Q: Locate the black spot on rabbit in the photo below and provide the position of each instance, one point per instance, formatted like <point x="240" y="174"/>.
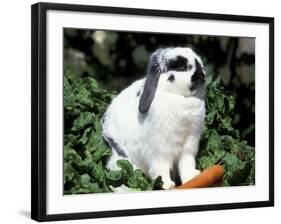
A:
<point x="198" y="78"/>
<point x="114" y="145"/>
<point x="103" y="118"/>
<point x="178" y="64"/>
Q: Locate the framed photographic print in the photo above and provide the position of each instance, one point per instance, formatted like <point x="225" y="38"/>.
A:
<point x="138" y="111"/>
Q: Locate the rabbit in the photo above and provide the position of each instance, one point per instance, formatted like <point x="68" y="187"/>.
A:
<point x="157" y="121"/>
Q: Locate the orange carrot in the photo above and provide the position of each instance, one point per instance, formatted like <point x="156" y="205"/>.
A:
<point x="206" y="178"/>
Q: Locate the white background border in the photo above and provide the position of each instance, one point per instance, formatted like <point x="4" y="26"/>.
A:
<point x="57" y="203"/>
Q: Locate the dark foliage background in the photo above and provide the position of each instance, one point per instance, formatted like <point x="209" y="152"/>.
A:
<point x="115" y="59"/>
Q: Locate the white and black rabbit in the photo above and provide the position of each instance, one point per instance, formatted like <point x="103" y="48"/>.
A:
<point x="156" y="122"/>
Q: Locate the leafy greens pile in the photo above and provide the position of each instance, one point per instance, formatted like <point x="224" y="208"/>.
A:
<point x="85" y="151"/>
<point x="221" y="143"/>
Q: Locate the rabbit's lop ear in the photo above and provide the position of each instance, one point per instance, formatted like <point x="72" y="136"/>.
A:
<point x="151" y="82"/>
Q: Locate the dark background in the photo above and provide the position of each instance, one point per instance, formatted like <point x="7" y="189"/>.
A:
<point x="116" y="59"/>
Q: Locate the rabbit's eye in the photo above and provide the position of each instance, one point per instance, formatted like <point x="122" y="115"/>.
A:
<point x="178" y="64"/>
<point x="171" y="78"/>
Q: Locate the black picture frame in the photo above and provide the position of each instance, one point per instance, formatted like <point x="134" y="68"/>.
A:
<point x="39" y="122"/>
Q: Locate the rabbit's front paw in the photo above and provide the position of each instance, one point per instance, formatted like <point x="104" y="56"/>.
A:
<point x="168" y="184"/>
<point x="188" y="175"/>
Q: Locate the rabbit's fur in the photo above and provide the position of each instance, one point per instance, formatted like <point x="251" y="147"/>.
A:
<point x="156" y="122"/>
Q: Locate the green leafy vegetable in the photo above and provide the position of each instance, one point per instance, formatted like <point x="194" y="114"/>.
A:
<point x="220" y="142"/>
